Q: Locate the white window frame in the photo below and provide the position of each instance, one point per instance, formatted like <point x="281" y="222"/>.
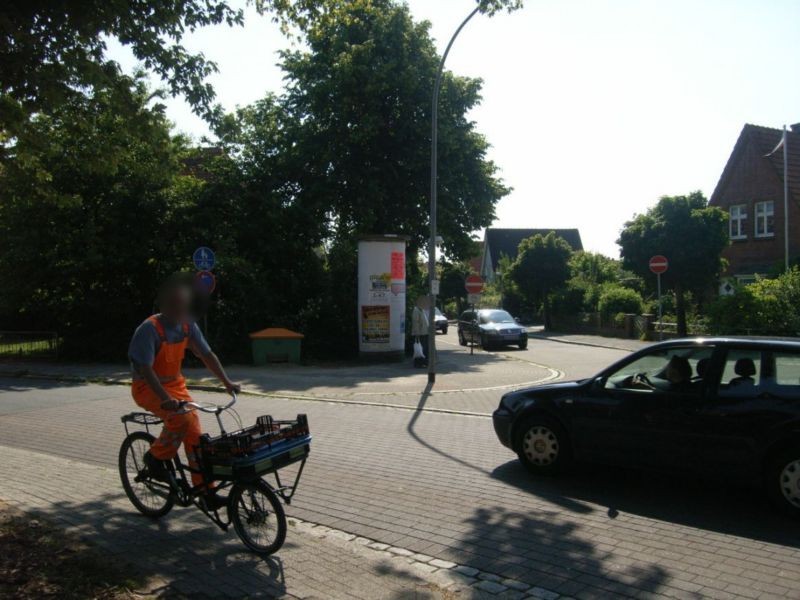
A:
<point x="764" y="210"/>
<point x="737" y="215"/>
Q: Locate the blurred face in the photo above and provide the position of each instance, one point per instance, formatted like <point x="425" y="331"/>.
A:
<point x="176" y="302"/>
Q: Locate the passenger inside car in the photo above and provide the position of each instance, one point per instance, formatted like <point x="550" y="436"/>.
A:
<point x="678" y="373"/>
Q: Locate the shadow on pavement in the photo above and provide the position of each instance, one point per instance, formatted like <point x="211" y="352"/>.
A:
<point x="544" y="551"/>
<point x="181" y="554"/>
<point x="410" y="428"/>
<point x="707" y="505"/>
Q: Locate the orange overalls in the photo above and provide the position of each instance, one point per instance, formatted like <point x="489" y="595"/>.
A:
<point x="178" y="427"/>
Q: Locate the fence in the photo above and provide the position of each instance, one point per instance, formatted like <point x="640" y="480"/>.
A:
<point x="633" y="326"/>
<point x="29" y="344"/>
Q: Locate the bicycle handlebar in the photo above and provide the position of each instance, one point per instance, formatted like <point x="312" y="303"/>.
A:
<point x="212" y="410"/>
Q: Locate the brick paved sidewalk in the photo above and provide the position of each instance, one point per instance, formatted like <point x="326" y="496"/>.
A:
<point x="185" y="554"/>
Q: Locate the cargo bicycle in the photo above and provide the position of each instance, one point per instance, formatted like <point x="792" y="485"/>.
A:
<point x="236" y="462"/>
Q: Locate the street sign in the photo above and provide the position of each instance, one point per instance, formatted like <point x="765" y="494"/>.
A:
<point x="474" y="284"/>
<point x="205" y="281"/>
<point x="473" y="299"/>
<point x="659" y="264"/>
<point x="204" y="258"/>
<point x="434" y="287"/>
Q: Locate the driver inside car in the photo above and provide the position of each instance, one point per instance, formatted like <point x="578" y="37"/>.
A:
<point x="156" y="353"/>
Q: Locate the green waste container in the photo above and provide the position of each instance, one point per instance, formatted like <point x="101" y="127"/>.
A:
<point x="276" y="344"/>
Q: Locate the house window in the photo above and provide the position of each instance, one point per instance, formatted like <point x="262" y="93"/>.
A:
<point x="738" y="222"/>
<point x="765" y="219"/>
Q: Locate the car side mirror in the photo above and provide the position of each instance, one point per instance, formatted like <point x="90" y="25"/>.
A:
<point x="599" y="383"/>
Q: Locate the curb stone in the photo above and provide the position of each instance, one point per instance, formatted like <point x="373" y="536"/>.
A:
<point x="448" y="574"/>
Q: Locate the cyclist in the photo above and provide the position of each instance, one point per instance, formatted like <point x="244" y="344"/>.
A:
<point x="156" y="352"/>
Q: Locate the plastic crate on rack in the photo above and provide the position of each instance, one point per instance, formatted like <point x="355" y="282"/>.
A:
<point x="263" y="448"/>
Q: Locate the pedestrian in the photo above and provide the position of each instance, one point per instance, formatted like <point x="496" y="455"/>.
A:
<point x="419" y="330"/>
<point x="156" y="352"/>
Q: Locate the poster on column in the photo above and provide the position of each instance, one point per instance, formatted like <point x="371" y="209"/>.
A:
<point x="375" y="324"/>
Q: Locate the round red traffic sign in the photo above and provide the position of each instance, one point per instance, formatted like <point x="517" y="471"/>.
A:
<point x="474" y="284"/>
<point x="659" y="264"/>
<point x="205" y="282"/>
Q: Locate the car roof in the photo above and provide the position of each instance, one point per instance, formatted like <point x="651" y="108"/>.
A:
<point x="742" y="340"/>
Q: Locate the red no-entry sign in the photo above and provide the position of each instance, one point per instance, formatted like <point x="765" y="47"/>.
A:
<point x="474" y="284"/>
<point x="659" y="264"/>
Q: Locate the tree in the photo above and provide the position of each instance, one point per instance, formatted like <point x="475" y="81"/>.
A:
<point x="541" y="267"/>
<point x="51" y="51"/>
<point x="690" y="234"/>
<point x="359" y="102"/>
<point x="84" y="218"/>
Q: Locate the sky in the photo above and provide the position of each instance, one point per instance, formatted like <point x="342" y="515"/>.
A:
<point x="594" y="108"/>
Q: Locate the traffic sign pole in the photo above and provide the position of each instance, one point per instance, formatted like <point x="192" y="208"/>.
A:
<point x="660" y="318"/>
<point x="658" y="265"/>
<point x="474" y="286"/>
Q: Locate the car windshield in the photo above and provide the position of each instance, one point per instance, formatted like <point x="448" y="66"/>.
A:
<point x="496" y="316"/>
<point x="439" y="313"/>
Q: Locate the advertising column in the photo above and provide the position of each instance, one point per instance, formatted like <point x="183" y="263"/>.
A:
<point x="382" y="295"/>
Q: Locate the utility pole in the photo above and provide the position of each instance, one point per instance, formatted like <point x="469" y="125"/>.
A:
<point x="434" y="184"/>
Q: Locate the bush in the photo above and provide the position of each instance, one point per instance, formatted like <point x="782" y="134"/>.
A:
<point x="766" y="307"/>
<point x="617" y="299"/>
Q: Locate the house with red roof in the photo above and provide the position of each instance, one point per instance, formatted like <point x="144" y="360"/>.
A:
<point x="750" y="190"/>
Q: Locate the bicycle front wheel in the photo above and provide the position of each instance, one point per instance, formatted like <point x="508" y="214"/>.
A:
<point x="151" y="498"/>
<point x="257" y="517"/>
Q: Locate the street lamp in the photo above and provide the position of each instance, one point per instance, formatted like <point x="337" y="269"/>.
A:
<point x="434" y="173"/>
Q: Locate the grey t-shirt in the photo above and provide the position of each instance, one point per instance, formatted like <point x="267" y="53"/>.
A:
<point x="146" y="342"/>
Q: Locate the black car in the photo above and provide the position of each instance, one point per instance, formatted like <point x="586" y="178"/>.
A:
<point x="490" y="328"/>
<point x="721" y="407"/>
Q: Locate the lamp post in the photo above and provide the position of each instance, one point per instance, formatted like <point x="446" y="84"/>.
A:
<point x="434" y="173"/>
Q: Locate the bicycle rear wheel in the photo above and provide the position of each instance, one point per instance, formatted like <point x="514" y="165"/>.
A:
<point x="151" y="498"/>
<point x="257" y="517"/>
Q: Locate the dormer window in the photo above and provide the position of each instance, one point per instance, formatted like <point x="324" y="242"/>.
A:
<point x="738" y="222"/>
<point x="765" y="219"/>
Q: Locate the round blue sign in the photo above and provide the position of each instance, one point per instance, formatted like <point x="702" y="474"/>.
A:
<point x="205" y="282"/>
<point x="204" y="258"/>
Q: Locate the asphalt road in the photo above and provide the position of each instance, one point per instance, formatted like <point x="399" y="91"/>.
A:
<point x="441" y="485"/>
<point x="573" y="360"/>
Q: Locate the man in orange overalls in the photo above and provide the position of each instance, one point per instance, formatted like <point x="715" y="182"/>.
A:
<point x="156" y="352"/>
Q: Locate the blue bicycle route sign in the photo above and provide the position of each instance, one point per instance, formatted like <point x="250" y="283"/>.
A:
<point x="204" y="258"/>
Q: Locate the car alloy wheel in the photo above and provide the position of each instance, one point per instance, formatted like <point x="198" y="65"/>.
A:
<point x="540" y="446"/>
<point x="790" y="482"/>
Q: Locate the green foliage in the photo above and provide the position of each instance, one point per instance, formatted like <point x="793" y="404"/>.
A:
<point x="541" y="267"/>
<point x="358" y="115"/>
<point x="766" y="307"/>
<point x="451" y="287"/>
<point x="96" y="206"/>
<point x="594" y="268"/>
<point x="51" y="52"/>
<point x="83" y="234"/>
<point x="615" y="299"/>
<point x="690" y="234"/>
